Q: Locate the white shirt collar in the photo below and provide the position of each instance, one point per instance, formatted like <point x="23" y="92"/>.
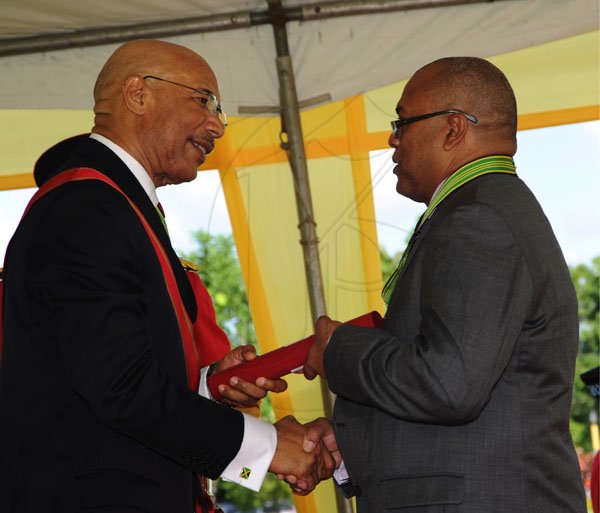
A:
<point x="133" y="165"/>
<point x="437" y="189"/>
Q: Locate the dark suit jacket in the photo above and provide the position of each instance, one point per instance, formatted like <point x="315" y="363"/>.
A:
<point x="461" y="405"/>
<point x="96" y="412"/>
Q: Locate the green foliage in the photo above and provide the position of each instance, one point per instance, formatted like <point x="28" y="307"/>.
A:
<point x="583" y="402"/>
<point x="273" y="496"/>
<point x="587" y="284"/>
<point x="388" y="263"/>
<point x="220" y="271"/>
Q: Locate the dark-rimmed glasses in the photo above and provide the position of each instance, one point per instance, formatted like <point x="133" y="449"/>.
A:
<point x="211" y="102"/>
<point x="397" y="124"/>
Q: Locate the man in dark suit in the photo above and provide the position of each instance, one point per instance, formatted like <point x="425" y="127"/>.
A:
<point x="461" y="404"/>
<point x="99" y="407"/>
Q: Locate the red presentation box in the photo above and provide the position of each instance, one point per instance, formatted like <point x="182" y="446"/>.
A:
<point x="281" y="361"/>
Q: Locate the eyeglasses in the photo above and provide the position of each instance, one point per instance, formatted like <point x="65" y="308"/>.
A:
<point x="208" y="98"/>
<point x="397" y="124"/>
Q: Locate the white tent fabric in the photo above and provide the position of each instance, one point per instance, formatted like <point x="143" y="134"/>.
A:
<point x="338" y="57"/>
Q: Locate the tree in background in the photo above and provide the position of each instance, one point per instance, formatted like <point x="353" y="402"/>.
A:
<point x="220" y="271"/>
<point x="587" y="284"/>
<point x="388" y="263"/>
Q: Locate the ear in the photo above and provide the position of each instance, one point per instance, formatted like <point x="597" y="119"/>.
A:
<point x="135" y="92"/>
<point x="457" y="129"/>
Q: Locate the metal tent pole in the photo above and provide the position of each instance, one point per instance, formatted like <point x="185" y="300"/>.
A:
<point x="290" y="114"/>
<point x="95" y="36"/>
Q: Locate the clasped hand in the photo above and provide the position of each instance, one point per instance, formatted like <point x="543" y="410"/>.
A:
<point x="306" y="454"/>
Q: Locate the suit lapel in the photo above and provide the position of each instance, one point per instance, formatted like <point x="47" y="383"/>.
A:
<point x="91" y="153"/>
<point x="451" y="202"/>
<point x="415" y="243"/>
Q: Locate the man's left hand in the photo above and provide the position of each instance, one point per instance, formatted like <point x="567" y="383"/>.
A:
<point x="244" y="393"/>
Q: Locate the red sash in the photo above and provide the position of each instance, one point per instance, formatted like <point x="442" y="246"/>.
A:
<point x="595" y="483"/>
<point x="215" y="343"/>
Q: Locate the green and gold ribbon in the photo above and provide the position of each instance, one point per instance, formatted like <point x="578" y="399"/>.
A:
<point x="468" y="172"/>
<point x="161" y="214"/>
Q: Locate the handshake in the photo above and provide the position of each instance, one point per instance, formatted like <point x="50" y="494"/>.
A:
<point x="306" y="454"/>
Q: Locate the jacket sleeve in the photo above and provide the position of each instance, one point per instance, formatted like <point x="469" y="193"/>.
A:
<point x="473" y="295"/>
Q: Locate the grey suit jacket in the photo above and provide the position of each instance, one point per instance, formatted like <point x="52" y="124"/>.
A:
<point x="462" y="403"/>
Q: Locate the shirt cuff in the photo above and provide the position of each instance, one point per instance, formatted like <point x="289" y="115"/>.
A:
<point x="340" y="474"/>
<point x="203" y="389"/>
<point x="251" y="463"/>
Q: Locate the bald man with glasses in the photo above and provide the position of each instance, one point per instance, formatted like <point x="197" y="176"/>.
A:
<point x="461" y="403"/>
<point x="103" y="399"/>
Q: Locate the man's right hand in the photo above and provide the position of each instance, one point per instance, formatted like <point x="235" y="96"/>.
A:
<point x="302" y="470"/>
<point x="321" y="430"/>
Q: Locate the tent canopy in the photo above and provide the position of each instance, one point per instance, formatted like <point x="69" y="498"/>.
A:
<point x="46" y="95"/>
<point x="334" y="57"/>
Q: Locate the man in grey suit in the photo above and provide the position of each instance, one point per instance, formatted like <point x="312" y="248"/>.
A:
<point x="461" y="404"/>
